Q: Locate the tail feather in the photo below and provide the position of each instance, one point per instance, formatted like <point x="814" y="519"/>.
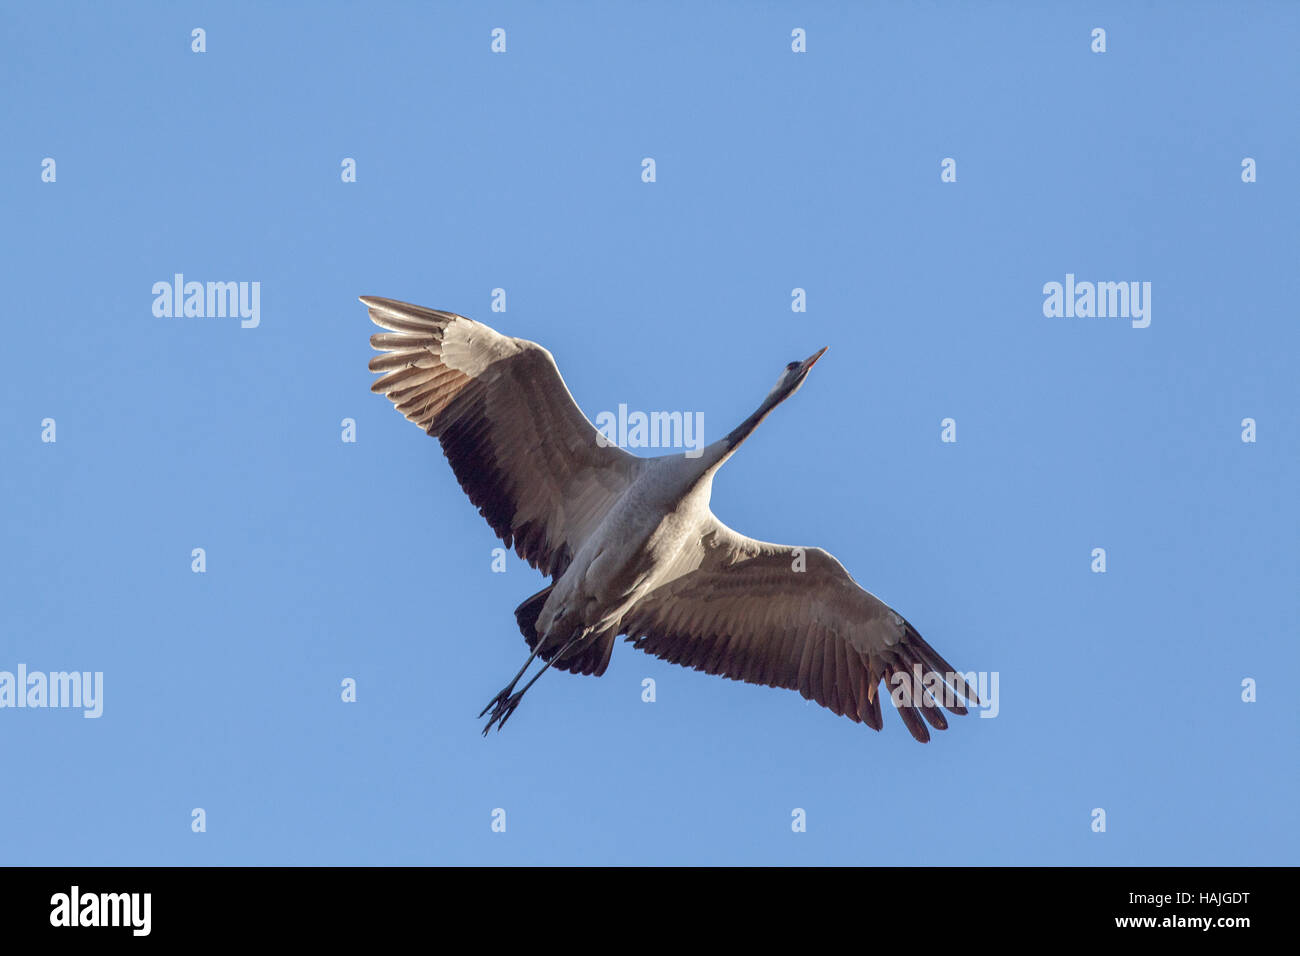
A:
<point x="528" y="612"/>
<point x="591" y="657"/>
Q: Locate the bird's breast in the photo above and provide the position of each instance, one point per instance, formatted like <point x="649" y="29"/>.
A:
<point x="626" y="556"/>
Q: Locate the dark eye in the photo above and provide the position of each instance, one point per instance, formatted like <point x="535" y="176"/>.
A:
<point x="792" y="366"/>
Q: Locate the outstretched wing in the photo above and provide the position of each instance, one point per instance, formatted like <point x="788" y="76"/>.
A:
<point x="519" y="445"/>
<point x="793" y="617"/>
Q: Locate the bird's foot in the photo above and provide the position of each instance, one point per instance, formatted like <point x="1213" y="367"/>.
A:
<point x="496" y="702"/>
<point x="503" y="705"/>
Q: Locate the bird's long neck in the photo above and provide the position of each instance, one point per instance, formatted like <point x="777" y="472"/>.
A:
<point x="722" y="449"/>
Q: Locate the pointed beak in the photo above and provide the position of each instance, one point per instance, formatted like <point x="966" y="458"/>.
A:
<point x="811" y="360"/>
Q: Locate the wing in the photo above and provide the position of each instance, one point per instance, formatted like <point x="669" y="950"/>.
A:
<point x="741" y="608"/>
<point x="519" y="445"/>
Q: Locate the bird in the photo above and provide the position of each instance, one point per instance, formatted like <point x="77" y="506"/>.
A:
<point x="630" y="543"/>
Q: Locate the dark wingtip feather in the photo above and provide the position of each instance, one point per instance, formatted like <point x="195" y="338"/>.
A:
<point x="914" y="723"/>
<point x="933" y="660"/>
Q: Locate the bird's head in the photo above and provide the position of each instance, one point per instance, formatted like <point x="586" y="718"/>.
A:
<point x="792" y="377"/>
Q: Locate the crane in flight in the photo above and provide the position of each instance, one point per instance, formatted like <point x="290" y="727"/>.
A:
<point x="630" y="543"/>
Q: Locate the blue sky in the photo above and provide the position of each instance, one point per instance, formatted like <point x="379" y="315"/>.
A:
<point x="775" y="170"/>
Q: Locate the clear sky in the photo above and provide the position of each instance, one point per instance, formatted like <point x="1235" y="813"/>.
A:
<point x="774" y="171"/>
